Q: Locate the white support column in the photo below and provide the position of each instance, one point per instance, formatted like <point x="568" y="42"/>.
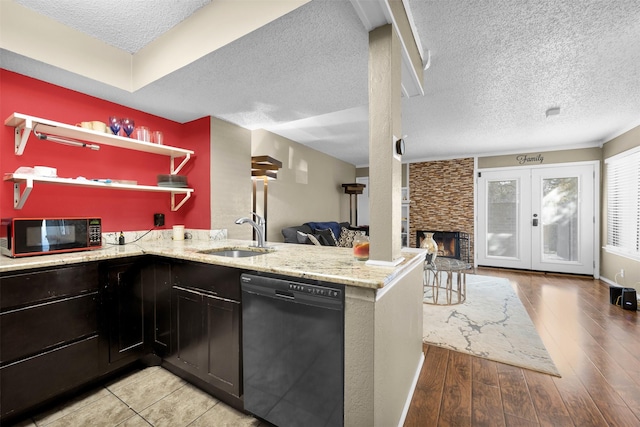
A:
<point x="385" y="177"/>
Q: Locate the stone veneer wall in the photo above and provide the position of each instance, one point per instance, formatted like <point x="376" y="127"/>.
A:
<point x="441" y="194"/>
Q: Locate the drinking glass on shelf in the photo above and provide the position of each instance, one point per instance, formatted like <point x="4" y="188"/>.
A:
<point x="142" y="134"/>
<point x="158" y="137"/>
<point x="127" y="126"/>
<point x="114" y="124"/>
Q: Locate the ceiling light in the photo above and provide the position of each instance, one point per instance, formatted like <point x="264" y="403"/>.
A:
<point x="553" y="111"/>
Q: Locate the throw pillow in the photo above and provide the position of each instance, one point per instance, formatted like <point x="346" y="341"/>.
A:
<point x="329" y="237"/>
<point x="308" y="239"/>
<point x="302" y="237"/>
<point x="313" y="239"/>
<point x="290" y="233"/>
<point x="347" y="236"/>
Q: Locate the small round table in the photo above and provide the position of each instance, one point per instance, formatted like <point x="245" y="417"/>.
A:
<point x="439" y="275"/>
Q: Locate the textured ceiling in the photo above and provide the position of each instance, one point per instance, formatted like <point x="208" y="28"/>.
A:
<point x="125" y="24"/>
<point x="496" y="67"/>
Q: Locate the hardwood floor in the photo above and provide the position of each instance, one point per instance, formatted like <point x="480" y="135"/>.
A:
<point x="595" y="345"/>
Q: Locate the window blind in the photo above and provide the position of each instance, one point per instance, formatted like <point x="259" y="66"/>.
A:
<point x="623" y="203"/>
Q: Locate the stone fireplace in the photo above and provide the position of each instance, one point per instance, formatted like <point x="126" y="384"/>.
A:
<point x="451" y="244"/>
<point x="442" y="198"/>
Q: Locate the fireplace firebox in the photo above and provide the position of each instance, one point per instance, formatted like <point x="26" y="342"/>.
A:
<point x="451" y="244"/>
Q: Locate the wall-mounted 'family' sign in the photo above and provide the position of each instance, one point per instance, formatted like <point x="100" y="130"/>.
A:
<point x="524" y="159"/>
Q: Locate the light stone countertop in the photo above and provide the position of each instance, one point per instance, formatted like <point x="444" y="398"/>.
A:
<point x="331" y="264"/>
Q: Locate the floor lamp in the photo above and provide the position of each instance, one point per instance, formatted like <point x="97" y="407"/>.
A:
<point x="353" y="190"/>
<point x="263" y="168"/>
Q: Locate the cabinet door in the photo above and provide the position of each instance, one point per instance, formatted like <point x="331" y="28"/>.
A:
<point x="189" y="339"/>
<point x="222" y="320"/>
<point x="160" y="308"/>
<point x="206" y="323"/>
<point x="125" y="304"/>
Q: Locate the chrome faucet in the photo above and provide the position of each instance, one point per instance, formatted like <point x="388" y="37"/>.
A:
<point x="259" y="227"/>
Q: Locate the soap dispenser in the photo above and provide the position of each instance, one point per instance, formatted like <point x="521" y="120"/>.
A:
<point x="121" y="238"/>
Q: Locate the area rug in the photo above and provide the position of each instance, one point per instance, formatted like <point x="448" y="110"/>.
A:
<point x="492" y="323"/>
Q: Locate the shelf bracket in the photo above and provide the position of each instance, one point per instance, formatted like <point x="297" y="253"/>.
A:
<point x="175" y="170"/>
<point x="22" y="133"/>
<point x="20" y="199"/>
<point x="173" y="201"/>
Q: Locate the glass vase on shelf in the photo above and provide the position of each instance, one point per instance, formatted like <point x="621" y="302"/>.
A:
<point x="432" y="249"/>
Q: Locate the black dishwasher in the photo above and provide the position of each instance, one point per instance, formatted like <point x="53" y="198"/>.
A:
<point x="293" y="350"/>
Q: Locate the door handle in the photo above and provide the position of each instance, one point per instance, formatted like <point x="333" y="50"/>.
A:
<point x="535" y="220"/>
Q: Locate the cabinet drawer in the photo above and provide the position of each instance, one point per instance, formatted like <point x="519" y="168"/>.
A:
<point x="37" y="379"/>
<point x="217" y="280"/>
<point x="39" y="286"/>
<point x="29" y="330"/>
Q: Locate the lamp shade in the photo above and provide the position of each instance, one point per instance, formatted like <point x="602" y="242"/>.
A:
<point x="265" y="167"/>
<point x="354" y="188"/>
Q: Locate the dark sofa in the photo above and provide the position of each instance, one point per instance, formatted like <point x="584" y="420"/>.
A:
<point x="318" y="230"/>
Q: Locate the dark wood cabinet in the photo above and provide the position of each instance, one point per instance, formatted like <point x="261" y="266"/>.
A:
<point x="49" y="334"/>
<point x="123" y="300"/>
<point x="222" y="327"/>
<point x="189" y="335"/>
<point x="41" y="285"/>
<point x="206" y="315"/>
<point x="33" y="329"/>
<point x="157" y="280"/>
<point x="207" y="340"/>
<point x="37" y="379"/>
<point x="63" y="327"/>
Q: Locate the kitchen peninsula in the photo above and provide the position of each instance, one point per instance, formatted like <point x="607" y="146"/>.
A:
<point x="383" y="309"/>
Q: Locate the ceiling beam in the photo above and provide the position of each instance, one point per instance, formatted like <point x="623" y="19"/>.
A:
<point x="28" y="33"/>
<point x="374" y="14"/>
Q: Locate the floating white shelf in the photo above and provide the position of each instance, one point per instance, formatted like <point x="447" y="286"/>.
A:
<point x="24" y="125"/>
<point x="20" y="197"/>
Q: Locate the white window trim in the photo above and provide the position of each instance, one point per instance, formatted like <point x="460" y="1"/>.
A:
<point x="617" y="250"/>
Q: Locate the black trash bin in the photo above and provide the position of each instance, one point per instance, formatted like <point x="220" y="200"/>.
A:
<point x="629" y="300"/>
<point x="615" y="294"/>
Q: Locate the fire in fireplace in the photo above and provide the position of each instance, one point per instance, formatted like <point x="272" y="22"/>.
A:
<point x="451" y="244"/>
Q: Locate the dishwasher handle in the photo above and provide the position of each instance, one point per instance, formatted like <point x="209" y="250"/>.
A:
<point x="285" y="294"/>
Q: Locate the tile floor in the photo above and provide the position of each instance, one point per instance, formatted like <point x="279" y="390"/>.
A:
<point x="148" y="397"/>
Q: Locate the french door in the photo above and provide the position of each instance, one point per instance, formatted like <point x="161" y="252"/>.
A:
<point x="539" y="218"/>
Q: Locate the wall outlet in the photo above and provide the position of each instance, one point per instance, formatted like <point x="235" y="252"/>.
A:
<point x="158" y="220"/>
<point x="621" y="273"/>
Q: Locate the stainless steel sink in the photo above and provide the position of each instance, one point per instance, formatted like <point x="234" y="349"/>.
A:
<point x="234" y="253"/>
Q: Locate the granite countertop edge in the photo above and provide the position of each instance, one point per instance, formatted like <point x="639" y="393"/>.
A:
<point x="331" y="264"/>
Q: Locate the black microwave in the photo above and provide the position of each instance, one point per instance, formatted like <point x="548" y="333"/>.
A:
<point x="39" y="236"/>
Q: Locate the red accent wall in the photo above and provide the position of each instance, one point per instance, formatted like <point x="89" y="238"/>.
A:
<point x="119" y="209"/>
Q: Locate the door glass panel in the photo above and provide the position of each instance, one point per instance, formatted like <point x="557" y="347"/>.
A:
<point x="502" y="218"/>
<point x="560" y="219"/>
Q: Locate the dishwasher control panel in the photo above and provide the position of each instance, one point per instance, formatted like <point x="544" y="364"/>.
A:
<point x="280" y="287"/>
<point x="315" y="290"/>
